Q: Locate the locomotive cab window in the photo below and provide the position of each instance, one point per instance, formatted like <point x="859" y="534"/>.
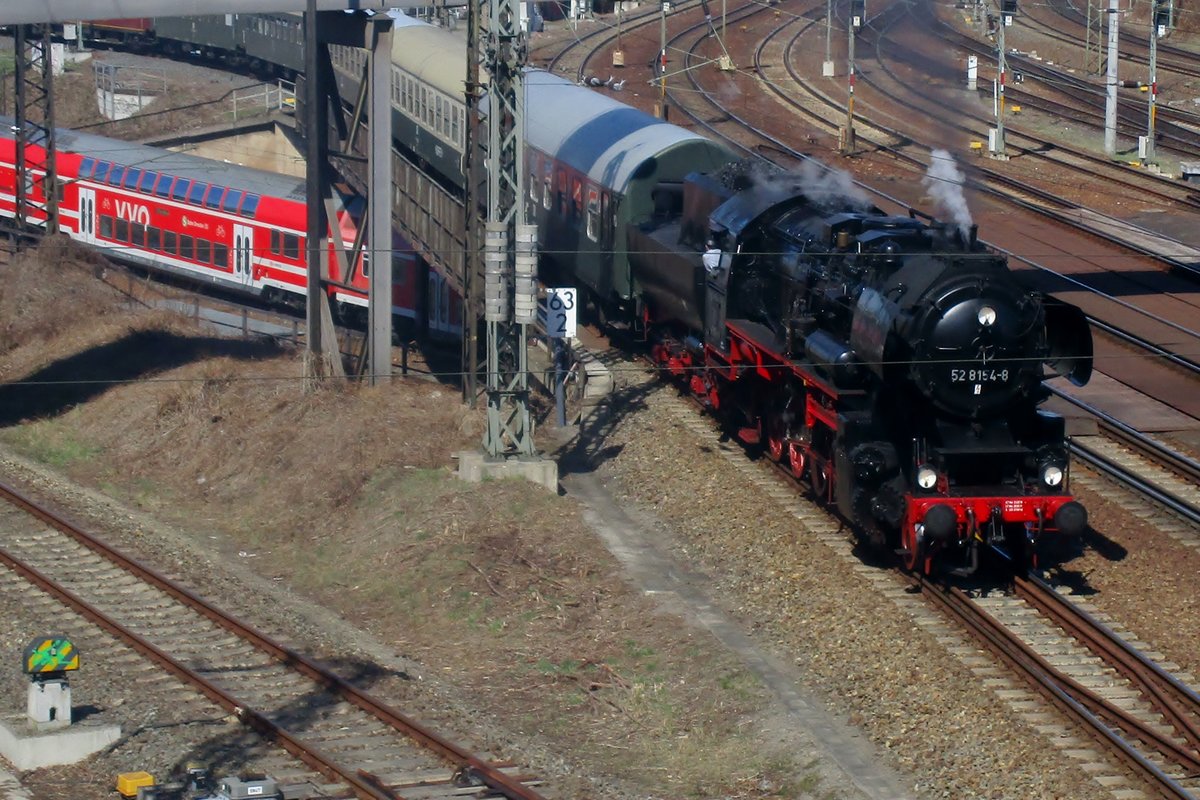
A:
<point x="593" y="215"/>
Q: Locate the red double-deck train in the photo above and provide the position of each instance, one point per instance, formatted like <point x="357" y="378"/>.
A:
<point x="223" y="224"/>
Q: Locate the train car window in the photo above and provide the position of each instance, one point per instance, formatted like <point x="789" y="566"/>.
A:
<point x="187" y="247"/>
<point x="439" y="117"/>
<point x="154" y="238"/>
<point x="220" y="255"/>
<point x="170" y="242"/>
<point x="605" y="222"/>
<point x="122" y="230"/>
<point x="593" y="215"/>
<point x="276" y="242"/>
<point x="233" y="198"/>
<point x="562" y="192"/>
<point x="576" y="199"/>
<point x="116" y="176"/>
<point x="101" y="172"/>
<point x="455" y="117"/>
<point x="106" y="226"/>
<point x="146" y="184"/>
<point x="250" y="205"/>
<point x="86" y="166"/>
<point x="132" y="176"/>
<point x="203" y="251"/>
<point x="548" y="186"/>
<point x="137" y="233"/>
<point x="534" y="185"/>
<point x="180" y="189"/>
<point x="213" y="198"/>
<point x="196" y="194"/>
<point x="291" y="246"/>
<point x="162" y="187"/>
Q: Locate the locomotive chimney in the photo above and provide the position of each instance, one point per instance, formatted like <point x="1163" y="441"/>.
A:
<point x="843" y="239"/>
<point x="973" y="237"/>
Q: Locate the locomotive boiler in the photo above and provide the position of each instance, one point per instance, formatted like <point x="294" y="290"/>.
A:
<point x="893" y="363"/>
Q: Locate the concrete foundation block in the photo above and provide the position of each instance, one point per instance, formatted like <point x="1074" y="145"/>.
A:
<point x="27" y="746"/>
<point x="475" y="466"/>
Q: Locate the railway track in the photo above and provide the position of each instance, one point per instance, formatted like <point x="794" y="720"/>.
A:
<point x="344" y="742"/>
<point x="1127" y="716"/>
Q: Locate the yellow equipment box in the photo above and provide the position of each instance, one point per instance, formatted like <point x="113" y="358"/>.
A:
<point x="128" y="783"/>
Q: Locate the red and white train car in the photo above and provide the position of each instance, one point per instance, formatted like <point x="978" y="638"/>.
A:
<point x="231" y="226"/>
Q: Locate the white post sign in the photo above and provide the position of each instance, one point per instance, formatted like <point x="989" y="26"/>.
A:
<point x="562" y="308"/>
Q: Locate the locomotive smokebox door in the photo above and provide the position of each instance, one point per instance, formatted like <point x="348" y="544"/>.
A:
<point x="716" y="286"/>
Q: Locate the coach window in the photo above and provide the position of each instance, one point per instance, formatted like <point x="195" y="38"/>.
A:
<point x="180" y="189"/>
<point x="593" y="215"/>
<point x="196" y="195"/>
<point x="132" y="176"/>
<point x="106" y="226"/>
<point x="455" y="114"/>
<point x="250" y="205"/>
<point x="232" y="199"/>
<point x="138" y="237"/>
<point x="548" y="186"/>
<point x="146" y="184"/>
<point x="562" y="192"/>
<point x="605" y="219"/>
<point x="576" y="199"/>
<point x="187" y="247"/>
<point x="153" y="238"/>
<point x="86" y="166"/>
<point x="170" y="243"/>
<point x="203" y="248"/>
<point x="122" y="230"/>
<point x="162" y="187"/>
<point x="276" y="242"/>
<point x="220" y="255"/>
<point x="102" y="168"/>
<point x="116" y="176"/>
<point x="291" y="246"/>
<point x="213" y="198"/>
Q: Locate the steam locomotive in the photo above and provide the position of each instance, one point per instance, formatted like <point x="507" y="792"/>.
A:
<point x="891" y="362"/>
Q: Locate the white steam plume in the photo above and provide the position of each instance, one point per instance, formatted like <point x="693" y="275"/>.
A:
<point x="944" y="181"/>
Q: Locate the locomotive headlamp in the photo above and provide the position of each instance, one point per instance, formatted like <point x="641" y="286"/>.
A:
<point x="1052" y="475"/>
<point x="927" y="477"/>
<point x="986" y="316"/>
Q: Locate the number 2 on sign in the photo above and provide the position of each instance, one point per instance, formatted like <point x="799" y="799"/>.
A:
<point x="560" y="305"/>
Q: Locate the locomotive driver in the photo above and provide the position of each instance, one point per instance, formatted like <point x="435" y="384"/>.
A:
<point x="712" y="257"/>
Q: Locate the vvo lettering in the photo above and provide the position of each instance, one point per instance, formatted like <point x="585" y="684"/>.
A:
<point x="132" y="212"/>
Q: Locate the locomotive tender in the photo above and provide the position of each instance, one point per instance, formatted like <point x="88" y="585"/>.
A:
<point x="892" y="363"/>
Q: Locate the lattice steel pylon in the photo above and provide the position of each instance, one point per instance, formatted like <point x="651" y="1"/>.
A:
<point x="510" y="242"/>
<point x="37" y="175"/>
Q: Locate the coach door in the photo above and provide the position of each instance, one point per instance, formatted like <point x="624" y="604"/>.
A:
<point x="243" y="254"/>
<point x="87" y="215"/>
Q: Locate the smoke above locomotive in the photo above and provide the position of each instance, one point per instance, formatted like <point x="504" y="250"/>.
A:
<point x="893" y="363"/>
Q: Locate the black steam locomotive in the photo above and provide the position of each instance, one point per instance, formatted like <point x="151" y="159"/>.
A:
<point x="892" y="362"/>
